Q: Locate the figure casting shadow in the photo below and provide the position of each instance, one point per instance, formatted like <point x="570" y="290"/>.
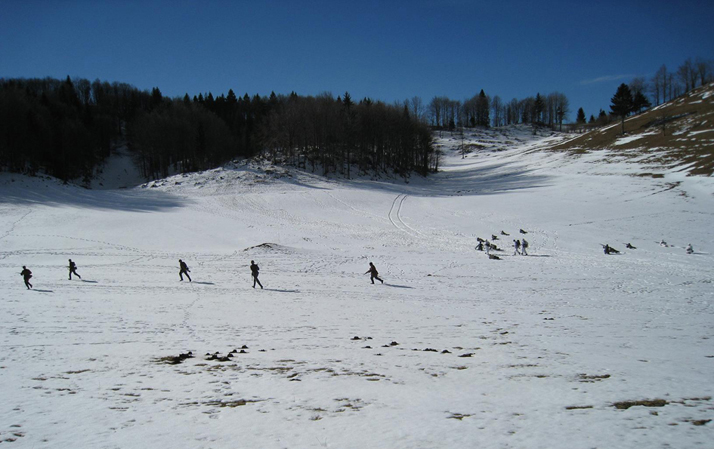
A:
<point x="204" y="283"/>
<point x="281" y="290"/>
<point x="396" y="286"/>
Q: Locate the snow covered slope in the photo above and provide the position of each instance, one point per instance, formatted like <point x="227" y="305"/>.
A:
<point x="564" y="348"/>
<point x="676" y="135"/>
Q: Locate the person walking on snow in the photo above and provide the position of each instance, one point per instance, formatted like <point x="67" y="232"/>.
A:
<point x="26" y="275"/>
<point x="254" y="269"/>
<point x="183" y="269"/>
<point x="373" y="273"/>
<point x="524" y="245"/>
<point x="517" y="246"/>
<point x="73" y="270"/>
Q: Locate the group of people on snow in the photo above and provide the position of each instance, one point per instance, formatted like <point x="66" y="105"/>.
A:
<point x="520" y="245"/>
<point x="184" y="270"/>
<point x="607" y="249"/>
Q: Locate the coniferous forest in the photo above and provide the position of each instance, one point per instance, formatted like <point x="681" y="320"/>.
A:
<point x="66" y="128"/>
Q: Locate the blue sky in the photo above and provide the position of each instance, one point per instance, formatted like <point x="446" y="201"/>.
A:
<point x="387" y="50"/>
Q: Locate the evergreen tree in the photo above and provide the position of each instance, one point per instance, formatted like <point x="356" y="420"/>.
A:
<point x="581" y="116"/>
<point x="483" y="104"/>
<point x="538" y="108"/>
<point x="622" y="103"/>
<point x="640" y="102"/>
<point x="156" y="98"/>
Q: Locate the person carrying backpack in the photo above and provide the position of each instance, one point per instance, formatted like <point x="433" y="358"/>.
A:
<point x="524" y="245"/>
<point x="254" y="270"/>
<point x="73" y="270"/>
<point x="26" y="275"/>
<point x="183" y="269"/>
<point x="517" y="246"/>
<point x="373" y="273"/>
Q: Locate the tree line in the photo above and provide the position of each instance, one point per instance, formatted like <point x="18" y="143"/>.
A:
<point x="641" y="93"/>
<point x="482" y="110"/>
<point x="67" y="128"/>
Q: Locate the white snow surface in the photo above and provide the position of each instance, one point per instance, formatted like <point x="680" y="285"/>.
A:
<point x="453" y="351"/>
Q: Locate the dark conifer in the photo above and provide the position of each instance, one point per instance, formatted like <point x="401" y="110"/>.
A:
<point x="622" y="104"/>
<point x="581" y="116"/>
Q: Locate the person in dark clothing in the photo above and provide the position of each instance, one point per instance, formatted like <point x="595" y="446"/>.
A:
<point x="73" y="270"/>
<point x="254" y="269"/>
<point x="26" y="275"/>
<point x="517" y="246"/>
<point x="479" y="247"/>
<point x="607" y="249"/>
<point x="524" y="246"/>
<point x="373" y="273"/>
<point x="629" y="246"/>
<point x="183" y="269"/>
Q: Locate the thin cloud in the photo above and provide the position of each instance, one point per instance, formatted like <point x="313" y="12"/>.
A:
<point x="607" y="78"/>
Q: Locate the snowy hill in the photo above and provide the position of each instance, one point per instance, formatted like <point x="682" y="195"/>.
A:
<point x="677" y="135"/>
<point x="564" y="348"/>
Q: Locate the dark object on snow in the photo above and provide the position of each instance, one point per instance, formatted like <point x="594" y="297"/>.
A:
<point x="373" y="273"/>
<point x="480" y="240"/>
<point x="175" y="360"/>
<point x="607" y="249"/>
<point x="26" y="275"/>
<point x="254" y="269"/>
<point x="524" y="246"/>
<point x="522" y="231"/>
<point x="493" y="257"/>
<point x="504" y="233"/>
<point x="517" y="246"/>
<point x="73" y="270"/>
<point x="183" y="269"/>
<point x="690" y="250"/>
<point x="494" y="237"/>
<point x="479" y="247"/>
<point x="629" y="246"/>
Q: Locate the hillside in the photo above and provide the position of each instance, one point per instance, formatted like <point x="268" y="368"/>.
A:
<point x="566" y="348"/>
<point x="678" y="135"/>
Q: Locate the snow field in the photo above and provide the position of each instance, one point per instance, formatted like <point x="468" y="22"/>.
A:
<point x="454" y="350"/>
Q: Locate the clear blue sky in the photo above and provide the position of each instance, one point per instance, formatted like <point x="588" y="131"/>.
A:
<point x="388" y="50"/>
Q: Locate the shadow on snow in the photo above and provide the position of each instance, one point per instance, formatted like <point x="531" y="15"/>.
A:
<point x="61" y="195"/>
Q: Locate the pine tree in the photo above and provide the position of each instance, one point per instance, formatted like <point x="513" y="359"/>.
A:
<point x="622" y="103"/>
<point x="538" y="108"/>
<point x="640" y="102"/>
<point x="581" y="116"/>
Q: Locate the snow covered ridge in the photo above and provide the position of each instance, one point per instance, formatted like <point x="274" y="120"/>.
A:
<point x="674" y="136"/>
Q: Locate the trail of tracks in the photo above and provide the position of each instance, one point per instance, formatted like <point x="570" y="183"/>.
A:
<point x="395" y="217"/>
